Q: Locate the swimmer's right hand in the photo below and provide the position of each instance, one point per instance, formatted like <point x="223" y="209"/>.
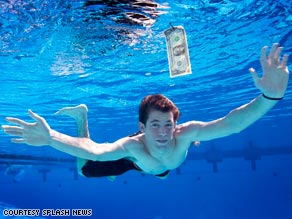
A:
<point x="36" y="134"/>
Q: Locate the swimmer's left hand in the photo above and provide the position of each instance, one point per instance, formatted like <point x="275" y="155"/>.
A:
<point x="275" y="77"/>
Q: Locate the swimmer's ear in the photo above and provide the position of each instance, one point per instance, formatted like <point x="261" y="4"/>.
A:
<point x="141" y="127"/>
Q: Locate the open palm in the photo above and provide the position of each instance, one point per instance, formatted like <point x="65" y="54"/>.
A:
<point x="275" y="77"/>
<point x="36" y="134"/>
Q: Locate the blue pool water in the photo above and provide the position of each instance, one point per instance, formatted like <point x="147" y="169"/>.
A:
<point x="63" y="53"/>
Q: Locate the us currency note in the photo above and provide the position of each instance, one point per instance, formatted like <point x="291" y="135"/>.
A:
<point x="178" y="52"/>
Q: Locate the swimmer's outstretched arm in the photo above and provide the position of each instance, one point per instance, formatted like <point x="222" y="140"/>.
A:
<point x="273" y="85"/>
<point x="39" y="133"/>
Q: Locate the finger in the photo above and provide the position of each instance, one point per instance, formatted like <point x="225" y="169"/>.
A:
<point x="35" y="116"/>
<point x="16" y="121"/>
<point x="59" y="112"/>
<point x="13" y="130"/>
<point x="18" y="140"/>
<point x="255" y="76"/>
<point x="264" y="55"/>
<point x="273" y="51"/>
<point x="13" y="133"/>
<point x="277" y="55"/>
<point x="284" y="62"/>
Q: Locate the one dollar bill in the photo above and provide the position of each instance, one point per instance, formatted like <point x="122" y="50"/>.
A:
<point x="178" y="52"/>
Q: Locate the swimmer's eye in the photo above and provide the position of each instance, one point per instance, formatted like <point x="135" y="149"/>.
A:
<point x="154" y="125"/>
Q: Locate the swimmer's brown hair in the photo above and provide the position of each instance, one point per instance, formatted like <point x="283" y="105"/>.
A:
<point x="157" y="102"/>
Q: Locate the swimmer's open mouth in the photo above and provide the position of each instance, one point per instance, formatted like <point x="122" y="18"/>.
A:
<point x="161" y="141"/>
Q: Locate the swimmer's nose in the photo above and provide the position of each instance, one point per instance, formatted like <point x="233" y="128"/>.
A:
<point x="162" y="131"/>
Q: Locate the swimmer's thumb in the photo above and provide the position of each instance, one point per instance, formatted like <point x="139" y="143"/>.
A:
<point x="35" y="116"/>
<point x="255" y="76"/>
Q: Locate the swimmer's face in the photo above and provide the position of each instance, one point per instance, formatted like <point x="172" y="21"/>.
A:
<point x="159" y="128"/>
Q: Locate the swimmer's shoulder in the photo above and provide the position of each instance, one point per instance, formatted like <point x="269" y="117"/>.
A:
<point x="188" y="131"/>
<point x="132" y="142"/>
<point x="137" y="139"/>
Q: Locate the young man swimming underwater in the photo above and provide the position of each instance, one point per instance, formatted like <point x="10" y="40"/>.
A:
<point x="161" y="145"/>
